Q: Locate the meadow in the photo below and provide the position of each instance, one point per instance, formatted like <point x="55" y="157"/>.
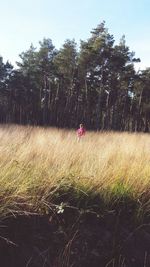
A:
<point x="35" y="160"/>
<point x="46" y="171"/>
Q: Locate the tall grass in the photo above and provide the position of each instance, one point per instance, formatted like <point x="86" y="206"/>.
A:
<point x="36" y="162"/>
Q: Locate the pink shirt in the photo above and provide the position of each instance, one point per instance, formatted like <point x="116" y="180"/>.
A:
<point x="81" y="132"/>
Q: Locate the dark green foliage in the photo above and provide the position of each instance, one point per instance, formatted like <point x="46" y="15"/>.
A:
<point x="96" y="85"/>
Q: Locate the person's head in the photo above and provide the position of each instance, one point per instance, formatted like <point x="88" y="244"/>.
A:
<point x="81" y="125"/>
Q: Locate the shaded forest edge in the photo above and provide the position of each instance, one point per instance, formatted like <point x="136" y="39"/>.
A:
<point x="77" y="229"/>
<point x="96" y="84"/>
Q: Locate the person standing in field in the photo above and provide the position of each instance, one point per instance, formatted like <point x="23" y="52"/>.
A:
<point x="81" y="131"/>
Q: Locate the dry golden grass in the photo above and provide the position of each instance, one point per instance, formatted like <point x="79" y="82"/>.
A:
<point x="35" y="161"/>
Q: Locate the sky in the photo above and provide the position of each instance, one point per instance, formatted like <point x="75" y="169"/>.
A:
<point x="23" y="22"/>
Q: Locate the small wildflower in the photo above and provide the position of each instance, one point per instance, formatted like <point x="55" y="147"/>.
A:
<point x="60" y="208"/>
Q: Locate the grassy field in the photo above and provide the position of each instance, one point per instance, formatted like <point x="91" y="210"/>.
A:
<point x="36" y="163"/>
<point x="65" y="203"/>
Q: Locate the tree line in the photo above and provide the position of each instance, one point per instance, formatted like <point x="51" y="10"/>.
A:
<point x="95" y="84"/>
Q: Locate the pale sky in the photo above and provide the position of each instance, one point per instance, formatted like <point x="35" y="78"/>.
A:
<point x="25" y="22"/>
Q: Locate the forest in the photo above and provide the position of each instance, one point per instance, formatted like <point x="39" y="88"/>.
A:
<point x="94" y="83"/>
